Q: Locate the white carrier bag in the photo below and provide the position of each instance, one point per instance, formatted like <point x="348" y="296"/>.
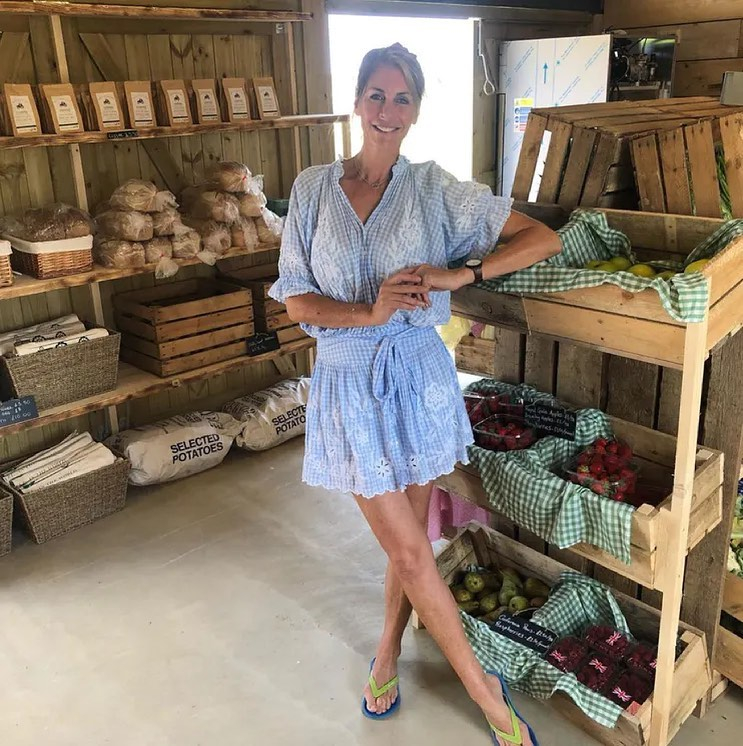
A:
<point x="271" y="416"/>
<point x="176" y="447"/>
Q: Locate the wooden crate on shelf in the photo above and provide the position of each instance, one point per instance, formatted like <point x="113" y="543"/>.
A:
<point x="182" y="326"/>
<point x="477" y="544"/>
<point x="655" y="452"/>
<point x="589" y="159"/>
<point x="729" y="651"/>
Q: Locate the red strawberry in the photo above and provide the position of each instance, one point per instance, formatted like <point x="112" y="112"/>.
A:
<point x="512" y="443"/>
<point x="619" y="496"/>
<point x="624" y="452"/>
<point x="612" y="463"/>
<point x="612" y="447"/>
<point x="627" y="473"/>
<point x="601" y="450"/>
<point x="601" y="442"/>
<point x="596" y="468"/>
<point x="598" y="488"/>
<point x="584" y="458"/>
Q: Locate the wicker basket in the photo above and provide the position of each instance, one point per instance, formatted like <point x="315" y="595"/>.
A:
<point x="58" y="264"/>
<point x="64" y="374"/>
<point x="56" y="510"/>
<point x="6" y="273"/>
<point x="6" y="521"/>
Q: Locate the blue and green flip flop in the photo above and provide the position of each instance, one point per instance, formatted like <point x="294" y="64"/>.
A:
<point x="378" y="691"/>
<point x="514" y="737"/>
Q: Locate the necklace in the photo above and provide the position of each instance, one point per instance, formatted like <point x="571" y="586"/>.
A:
<point x="372" y="184"/>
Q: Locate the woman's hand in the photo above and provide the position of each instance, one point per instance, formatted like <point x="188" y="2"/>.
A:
<point x="438" y="278"/>
<point x="403" y="291"/>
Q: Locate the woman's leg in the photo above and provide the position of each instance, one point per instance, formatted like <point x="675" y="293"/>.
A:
<point x="397" y="610"/>
<point x="404" y="540"/>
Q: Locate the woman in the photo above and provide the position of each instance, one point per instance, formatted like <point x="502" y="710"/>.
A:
<point x="363" y="268"/>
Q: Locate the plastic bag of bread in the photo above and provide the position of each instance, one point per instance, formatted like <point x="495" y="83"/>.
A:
<point x="229" y="176"/>
<point x="134" y="194"/>
<point x="244" y="234"/>
<point x="186" y="245"/>
<point x="159" y="251"/>
<point x="251" y="205"/>
<point x="164" y="200"/>
<point x="206" y="204"/>
<point x="269" y="226"/>
<point x="215" y="237"/>
<point x="51" y="223"/>
<point x="118" y="254"/>
<point x="127" y="225"/>
<point x="165" y="222"/>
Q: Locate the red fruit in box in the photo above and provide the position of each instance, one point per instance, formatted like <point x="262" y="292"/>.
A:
<point x="512" y="443"/>
<point x="596" y="467"/>
<point x="600" y="450"/>
<point x="608" y="641"/>
<point x="627" y="474"/>
<point x="596" y="672"/>
<point x="612" y="447"/>
<point x="624" y="452"/>
<point x="598" y="488"/>
<point x="567" y="654"/>
<point x="583" y="469"/>
<point x="619" y="496"/>
<point x="643" y="659"/>
<point x="601" y="442"/>
<point x="629" y="688"/>
<point x="612" y="463"/>
<point x="584" y="459"/>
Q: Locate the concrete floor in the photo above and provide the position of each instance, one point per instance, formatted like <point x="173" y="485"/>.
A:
<point x="235" y="607"/>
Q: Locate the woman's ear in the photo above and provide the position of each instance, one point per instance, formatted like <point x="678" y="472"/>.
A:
<point x="356" y="106"/>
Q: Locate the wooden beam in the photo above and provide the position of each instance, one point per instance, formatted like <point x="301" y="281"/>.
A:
<point x="13" y="47"/>
<point x="629" y="14"/>
<point x="39" y="7"/>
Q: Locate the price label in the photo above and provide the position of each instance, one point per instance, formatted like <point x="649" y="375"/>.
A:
<point x="122" y="134"/>
<point x="263" y="342"/>
<point x="521" y="630"/>
<point x="556" y="421"/>
<point x="18" y="410"/>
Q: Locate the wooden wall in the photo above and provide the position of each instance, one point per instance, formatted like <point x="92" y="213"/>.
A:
<point x="710" y="36"/>
<point x="153" y="50"/>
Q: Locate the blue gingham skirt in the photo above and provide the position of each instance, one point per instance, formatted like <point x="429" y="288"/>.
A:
<point x="383" y="413"/>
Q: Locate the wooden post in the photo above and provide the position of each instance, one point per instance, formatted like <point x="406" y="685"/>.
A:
<point x="671" y="562"/>
<point x="347" y="148"/>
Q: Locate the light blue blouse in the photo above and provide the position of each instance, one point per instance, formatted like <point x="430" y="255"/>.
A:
<point x="425" y="216"/>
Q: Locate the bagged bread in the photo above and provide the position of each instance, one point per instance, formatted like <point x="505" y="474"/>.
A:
<point x="118" y="254"/>
<point x="128" y="225"/>
<point x="158" y="248"/>
<point x="271" y="416"/>
<point x="186" y="245"/>
<point x="244" y="234"/>
<point x="269" y="226"/>
<point x="52" y="223"/>
<point x="165" y="222"/>
<point x="215" y="237"/>
<point x="251" y="205"/>
<point x="229" y="176"/>
<point x="206" y="204"/>
<point x="134" y="194"/>
<point x="163" y="200"/>
<point x="176" y="447"/>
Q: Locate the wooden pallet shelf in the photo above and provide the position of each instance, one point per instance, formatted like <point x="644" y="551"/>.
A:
<point x="729" y="650"/>
<point x="135" y="383"/>
<point x="255" y="125"/>
<point x="610" y="319"/>
<point x="24" y="286"/>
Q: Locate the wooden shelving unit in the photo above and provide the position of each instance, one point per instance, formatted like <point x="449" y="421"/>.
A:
<point x="636" y="326"/>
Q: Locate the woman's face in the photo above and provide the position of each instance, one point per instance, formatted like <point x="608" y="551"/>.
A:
<point x="386" y="108"/>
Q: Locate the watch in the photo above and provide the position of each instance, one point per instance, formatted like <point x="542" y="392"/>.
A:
<point x="476" y="266"/>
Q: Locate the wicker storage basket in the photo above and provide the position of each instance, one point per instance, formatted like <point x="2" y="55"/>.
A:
<point x="56" y="510"/>
<point x="6" y="273"/>
<point x="64" y="374"/>
<point x="50" y="259"/>
<point x="6" y="521"/>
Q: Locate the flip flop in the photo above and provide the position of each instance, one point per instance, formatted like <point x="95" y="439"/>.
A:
<point x="378" y="692"/>
<point x="514" y="737"/>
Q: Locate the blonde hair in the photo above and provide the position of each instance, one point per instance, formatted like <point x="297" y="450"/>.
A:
<point x="394" y="56"/>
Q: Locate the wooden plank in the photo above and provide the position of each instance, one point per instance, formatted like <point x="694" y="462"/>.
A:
<point x="726" y="317"/>
<point x="184" y="363"/>
<point x="549" y="187"/>
<point x="581" y="153"/>
<point x="694" y="39"/>
<point x="731" y="132"/>
<point x="290" y="334"/>
<point x="728" y="658"/>
<point x="632" y="388"/>
<point x="606" y="154"/>
<point x="473" y="355"/>
<point x="648" y="173"/>
<point x="700" y="148"/>
<point x="102" y="10"/>
<point x="672" y="148"/>
<point x="732" y="601"/>
<point x="703" y="76"/>
<point x="188" y="345"/>
<point x="630" y="13"/>
<point x="540" y="364"/>
<point x="528" y="154"/>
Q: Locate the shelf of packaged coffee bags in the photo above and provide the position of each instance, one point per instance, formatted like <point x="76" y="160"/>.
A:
<point x="150" y="133"/>
<point x="134" y="383"/>
<point x="24" y="285"/>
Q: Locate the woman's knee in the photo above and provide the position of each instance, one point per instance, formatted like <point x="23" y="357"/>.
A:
<point x="410" y="558"/>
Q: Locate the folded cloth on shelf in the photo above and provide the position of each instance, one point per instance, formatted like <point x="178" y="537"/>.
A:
<point x="69" y="324"/>
<point x="66" y="341"/>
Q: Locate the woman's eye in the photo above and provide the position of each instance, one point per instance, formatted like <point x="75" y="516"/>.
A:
<point x="376" y="97"/>
<point x="402" y="100"/>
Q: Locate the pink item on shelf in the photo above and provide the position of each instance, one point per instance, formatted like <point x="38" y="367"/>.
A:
<point x="451" y="510"/>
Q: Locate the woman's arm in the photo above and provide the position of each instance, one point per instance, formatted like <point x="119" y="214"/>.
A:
<point x="402" y="291"/>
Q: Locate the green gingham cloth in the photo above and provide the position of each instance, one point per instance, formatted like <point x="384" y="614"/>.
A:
<point x="574" y="604"/>
<point x="587" y="236"/>
<point x="524" y="486"/>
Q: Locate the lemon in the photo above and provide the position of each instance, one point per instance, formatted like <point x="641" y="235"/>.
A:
<point x="594" y="264"/>
<point x="642" y="270"/>
<point x="606" y="267"/>
<point x="696" y="266"/>
<point x="620" y="262"/>
<point x="667" y="275"/>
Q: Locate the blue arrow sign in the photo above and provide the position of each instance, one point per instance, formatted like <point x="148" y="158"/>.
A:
<point x="545" y="68"/>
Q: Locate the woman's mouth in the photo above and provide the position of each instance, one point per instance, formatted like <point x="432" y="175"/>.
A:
<point x="384" y="130"/>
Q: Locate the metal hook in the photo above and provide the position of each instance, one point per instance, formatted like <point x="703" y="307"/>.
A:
<point x="487" y="88"/>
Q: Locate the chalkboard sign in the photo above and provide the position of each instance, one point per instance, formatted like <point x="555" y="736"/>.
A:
<point x="521" y="630"/>
<point x="549" y="420"/>
<point x="122" y="134"/>
<point x="18" y="410"/>
<point x="263" y="342"/>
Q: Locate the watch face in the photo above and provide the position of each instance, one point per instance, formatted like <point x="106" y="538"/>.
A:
<point x="472" y="263"/>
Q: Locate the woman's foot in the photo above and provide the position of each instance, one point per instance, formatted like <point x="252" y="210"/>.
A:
<point x="384" y="670"/>
<point x="499" y="715"/>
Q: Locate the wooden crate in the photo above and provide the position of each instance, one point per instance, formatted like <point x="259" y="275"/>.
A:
<point x="589" y="160"/>
<point x="180" y="326"/>
<point x="477" y="544"/>
<point x="676" y="169"/>
<point x="610" y="319"/>
<point x="655" y="453"/>
<point x="729" y="650"/>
